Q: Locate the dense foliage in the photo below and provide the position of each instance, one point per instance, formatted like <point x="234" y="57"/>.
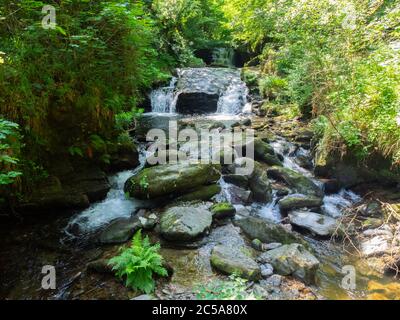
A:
<point x="138" y="263"/>
<point x="74" y="89"/>
<point x="335" y="60"/>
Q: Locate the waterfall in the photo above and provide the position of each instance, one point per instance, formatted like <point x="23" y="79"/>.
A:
<point x="234" y="98"/>
<point x="206" y="83"/>
<point x="163" y="100"/>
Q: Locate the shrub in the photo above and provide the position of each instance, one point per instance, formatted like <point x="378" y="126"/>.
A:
<point x="138" y="263"/>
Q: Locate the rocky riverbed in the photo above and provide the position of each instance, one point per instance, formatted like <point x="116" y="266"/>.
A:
<point x="291" y="234"/>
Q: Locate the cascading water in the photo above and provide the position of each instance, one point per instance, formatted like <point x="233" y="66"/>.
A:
<point x="333" y="205"/>
<point x="234" y="98"/>
<point x="207" y="83"/>
<point x="114" y="206"/>
<point x="162" y="99"/>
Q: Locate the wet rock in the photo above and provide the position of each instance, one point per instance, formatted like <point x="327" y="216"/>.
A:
<point x="223" y="210"/>
<point x="217" y="125"/>
<point x="372" y="209"/>
<point x="274" y="280"/>
<point x="197" y="103"/>
<point x="299" y="201"/>
<point x="266" y="270"/>
<point x="120" y="231"/>
<point x="294" y="180"/>
<point x="260" y="185"/>
<point x="239" y="195"/>
<point x="375" y="246"/>
<point x="304" y="161"/>
<point x="242" y="211"/>
<point x="171" y="180"/>
<point x="257" y="245"/>
<point x="184" y="223"/>
<point x="100" y="266"/>
<point x="331" y="186"/>
<point x="318" y="224"/>
<point x="246" y="122"/>
<point x="271" y="246"/>
<point x="265" y="153"/>
<point x="203" y="194"/>
<point x="266" y="231"/>
<point x="237" y="180"/>
<point x="293" y="260"/>
<point x="232" y="260"/>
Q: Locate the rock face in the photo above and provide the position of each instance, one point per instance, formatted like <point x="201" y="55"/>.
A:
<point x="124" y="157"/>
<point x="70" y="189"/>
<point x="265" y="231"/>
<point x="232" y="260"/>
<point x="316" y="223"/>
<point x="197" y="103"/>
<point x="293" y="260"/>
<point x="298" y="201"/>
<point x="294" y="180"/>
<point x="184" y="223"/>
<point x="171" y="180"/>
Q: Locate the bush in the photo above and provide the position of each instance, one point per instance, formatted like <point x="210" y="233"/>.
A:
<point x="138" y="263"/>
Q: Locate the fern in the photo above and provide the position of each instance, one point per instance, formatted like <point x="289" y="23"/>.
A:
<point x="138" y="263"/>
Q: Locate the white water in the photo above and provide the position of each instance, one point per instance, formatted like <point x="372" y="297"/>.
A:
<point x="333" y="205"/>
<point x="115" y="205"/>
<point x="163" y="100"/>
<point x="234" y="98"/>
<point x="232" y="90"/>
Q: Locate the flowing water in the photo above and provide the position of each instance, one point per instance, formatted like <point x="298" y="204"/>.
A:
<point x="226" y="83"/>
<point x="232" y="104"/>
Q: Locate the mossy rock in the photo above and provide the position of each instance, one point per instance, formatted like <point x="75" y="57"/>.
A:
<point x="223" y="210"/>
<point x="233" y="261"/>
<point x="203" y="193"/>
<point x="171" y="180"/>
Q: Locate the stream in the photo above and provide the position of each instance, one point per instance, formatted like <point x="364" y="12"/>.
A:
<point x="66" y="240"/>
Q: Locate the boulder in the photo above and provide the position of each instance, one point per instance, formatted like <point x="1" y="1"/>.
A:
<point x="184" y="223"/>
<point x="171" y="180"/>
<point x="237" y="180"/>
<point x="295" y="181"/>
<point x="375" y="246"/>
<point x="266" y="231"/>
<point x="223" y="210"/>
<point x="265" y="153"/>
<point x="260" y="185"/>
<point x="120" y="231"/>
<point x="239" y="195"/>
<point x="293" y="260"/>
<point x="231" y="260"/>
<point x="316" y="223"/>
<point x="299" y="201"/>
<point x="203" y="194"/>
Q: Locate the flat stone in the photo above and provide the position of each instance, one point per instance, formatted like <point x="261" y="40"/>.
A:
<point x="316" y="223"/>
<point x="184" y="223"/>
<point x="232" y="260"/>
